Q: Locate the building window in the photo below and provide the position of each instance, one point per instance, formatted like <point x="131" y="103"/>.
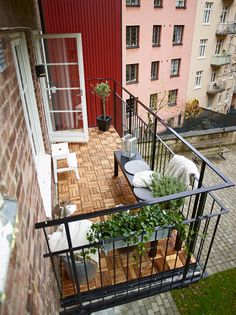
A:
<point x="174" y="67"/>
<point x="131" y="106"/>
<point x="180" y="4"/>
<point x="153" y="101"/>
<point x="132" y="73"/>
<point x="227" y="92"/>
<point x="224" y="14"/>
<point x="219" y="99"/>
<point x="178" y="34"/>
<point x="158" y="4"/>
<point x="156" y="35"/>
<point x="172" y="97"/>
<point x="209" y="101"/>
<point x="213" y="76"/>
<point x="132" y="36"/>
<point x="207" y="12"/>
<point x="132" y="3"/>
<point x="198" y="79"/>
<point x="170" y="122"/>
<point x="154" y="70"/>
<point x="202" y="48"/>
<point x="219" y="44"/>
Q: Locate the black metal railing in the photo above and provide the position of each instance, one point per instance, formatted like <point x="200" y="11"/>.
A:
<point x="124" y="274"/>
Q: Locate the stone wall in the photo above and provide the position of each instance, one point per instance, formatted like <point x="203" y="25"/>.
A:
<point x="30" y="287"/>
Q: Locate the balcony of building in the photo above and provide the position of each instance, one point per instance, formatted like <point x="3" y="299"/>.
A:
<point x="216" y="87"/>
<point x="123" y="273"/>
<point x="226" y="28"/>
<point x="220" y="60"/>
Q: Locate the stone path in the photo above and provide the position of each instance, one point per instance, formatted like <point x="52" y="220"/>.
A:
<point x="223" y="254"/>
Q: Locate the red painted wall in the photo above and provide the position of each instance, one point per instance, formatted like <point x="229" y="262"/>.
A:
<point x="99" y="22"/>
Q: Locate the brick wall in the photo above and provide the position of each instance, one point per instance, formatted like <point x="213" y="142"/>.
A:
<point x="30" y="287"/>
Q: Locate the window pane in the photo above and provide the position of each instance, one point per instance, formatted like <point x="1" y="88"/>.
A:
<point x="156" y="35"/>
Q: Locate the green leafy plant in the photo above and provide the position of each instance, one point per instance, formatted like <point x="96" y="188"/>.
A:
<point x="131" y="225"/>
<point x="102" y="90"/>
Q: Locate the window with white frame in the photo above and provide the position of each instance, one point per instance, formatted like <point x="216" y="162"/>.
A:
<point x="224" y="14"/>
<point x="227" y="94"/>
<point x="207" y="12"/>
<point x="132" y="73"/>
<point x="154" y="70"/>
<point x="198" y="79"/>
<point x="153" y="101"/>
<point x="174" y="67"/>
<point x="178" y="34"/>
<point x="219" y="44"/>
<point x="180" y="4"/>
<point x="132" y="36"/>
<point x="156" y="35"/>
<point x="157" y="3"/>
<point x="209" y="101"/>
<point x="172" y="97"/>
<point x="213" y="75"/>
<point x="202" y="48"/>
<point x="133" y="3"/>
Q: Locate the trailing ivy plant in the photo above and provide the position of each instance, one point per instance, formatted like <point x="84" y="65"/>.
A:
<point x="131" y="225"/>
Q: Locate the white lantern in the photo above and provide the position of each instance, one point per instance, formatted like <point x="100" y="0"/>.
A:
<point x="129" y="146"/>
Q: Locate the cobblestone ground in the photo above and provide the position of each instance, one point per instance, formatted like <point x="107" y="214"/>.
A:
<point x="223" y="253"/>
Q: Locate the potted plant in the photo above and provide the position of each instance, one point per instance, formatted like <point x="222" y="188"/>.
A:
<point x="103" y="90"/>
<point x="147" y="224"/>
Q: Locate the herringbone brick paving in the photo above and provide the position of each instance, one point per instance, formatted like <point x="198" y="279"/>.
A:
<point x="97" y="189"/>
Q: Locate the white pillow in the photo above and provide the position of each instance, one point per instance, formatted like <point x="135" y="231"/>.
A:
<point x="142" y="179"/>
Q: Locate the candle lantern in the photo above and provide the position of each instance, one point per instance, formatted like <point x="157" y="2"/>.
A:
<point x="129" y="146"/>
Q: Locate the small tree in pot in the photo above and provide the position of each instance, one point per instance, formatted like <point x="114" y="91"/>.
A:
<point x="103" y="90"/>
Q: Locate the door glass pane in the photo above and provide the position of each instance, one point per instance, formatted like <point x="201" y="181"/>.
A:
<point x="67" y="121"/>
<point x="60" y="50"/>
<point x="64" y="99"/>
<point x="63" y="76"/>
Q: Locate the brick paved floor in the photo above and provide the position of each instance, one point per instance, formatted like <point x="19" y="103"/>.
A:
<point x="90" y="195"/>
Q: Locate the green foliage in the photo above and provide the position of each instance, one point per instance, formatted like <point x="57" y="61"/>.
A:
<point x="131" y="225"/>
<point x="165" y="185"/>
<point x="215" y="295"/>
<point x="102" y="90"/>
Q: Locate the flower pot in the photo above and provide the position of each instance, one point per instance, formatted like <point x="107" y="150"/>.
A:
<point x="91" y="269"/>
<point x="103" y="122"/>
<point x="162" y="233"/>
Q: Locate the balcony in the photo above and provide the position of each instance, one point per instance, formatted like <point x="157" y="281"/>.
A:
<point x="220" y="60"/>
<point x="124" y="274"/>
<point x="216" y="87"/>
<point x="226" y="28"/>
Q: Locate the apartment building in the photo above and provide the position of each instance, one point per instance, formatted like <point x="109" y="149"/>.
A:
<point x="157" y="43"/>
<point x="212" y="71"/>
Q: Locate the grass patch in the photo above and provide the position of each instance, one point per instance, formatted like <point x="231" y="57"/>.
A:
<point x="215" y="295"/>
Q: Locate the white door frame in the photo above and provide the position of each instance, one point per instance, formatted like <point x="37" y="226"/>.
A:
<point x="65" y="135"/>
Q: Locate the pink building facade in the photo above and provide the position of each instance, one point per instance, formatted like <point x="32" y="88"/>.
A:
<point x="157" y="42"/>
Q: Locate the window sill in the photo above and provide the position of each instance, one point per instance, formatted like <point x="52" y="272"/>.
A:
<point x="174" y="75"/>
<point x="172" y="104"/>
<point x="156" y="45"/>
<point x="206" y="24"/>
<point x="197" y="87"/>
<point x="44" y="179"/>
<point x="184" y="8"/>
<point x="154" y="79"/>
<point x="133" y="82"/>
<point x="203" y="57"/>
<point x="177" y="44"/>
<point x="132" y="47"/>
<point x="158" y="6"/>
<point x="133" y="5"/>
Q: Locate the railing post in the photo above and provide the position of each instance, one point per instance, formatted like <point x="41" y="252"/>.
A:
<point x="130" y="113"/>
<point x="114" y="103"/>
<point x="154" y="145"/>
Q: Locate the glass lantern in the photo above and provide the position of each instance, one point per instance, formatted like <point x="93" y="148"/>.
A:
<point x="129" y="146"/>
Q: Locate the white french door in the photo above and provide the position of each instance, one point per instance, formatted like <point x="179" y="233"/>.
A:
<point x="63" y="86"/>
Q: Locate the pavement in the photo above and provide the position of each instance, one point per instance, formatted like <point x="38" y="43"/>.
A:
<point x="223" y="253"/>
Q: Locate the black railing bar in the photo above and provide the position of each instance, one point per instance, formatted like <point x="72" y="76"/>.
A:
<point x="86" y="274"/>
<point x="168" y="148"/>
<point x="100" y="267"/>
<point x="74" y="270"/>
<point x="127" y="263"/>
<point x="189" y="145"/>
<point x="153" y="260"/>
<point x="211" y="243"/>
<point x="166" y="249"/>
<point x="52" y="262"/>
<point x="71" y="272"/>
<point x="176" y="258"/>
<point x="140" y="265"/>
<point x="104" y="212"/>
<point x="114" y="261"/>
